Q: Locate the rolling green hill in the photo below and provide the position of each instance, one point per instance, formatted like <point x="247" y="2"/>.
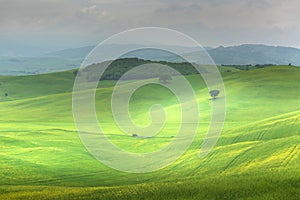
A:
<point x="256" y="157"/>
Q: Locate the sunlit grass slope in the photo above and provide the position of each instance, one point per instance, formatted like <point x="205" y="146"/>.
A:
<point x="256" y="157"/>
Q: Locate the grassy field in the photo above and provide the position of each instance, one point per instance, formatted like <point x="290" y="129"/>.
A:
<point x="256" y="157"/>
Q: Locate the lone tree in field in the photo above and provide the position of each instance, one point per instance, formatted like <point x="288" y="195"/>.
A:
<point x="214" y="93"/>
<point x="164" y="78"/>
<point x="75" y="72"/>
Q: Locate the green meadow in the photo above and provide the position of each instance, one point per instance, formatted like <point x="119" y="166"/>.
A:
<point x="256" y="157"/>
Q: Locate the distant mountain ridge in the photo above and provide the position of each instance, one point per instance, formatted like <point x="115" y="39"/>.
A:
<point x="71" y="58"/>
<point x="255" y="54"/>
<point x="232" y="55"/>
<point x="82" y="52"/>
<point x="74" y="53"/>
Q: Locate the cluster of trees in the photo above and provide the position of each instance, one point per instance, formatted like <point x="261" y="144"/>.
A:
<point x="120" y="66"/>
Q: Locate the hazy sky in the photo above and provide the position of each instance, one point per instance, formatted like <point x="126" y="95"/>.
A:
<point x="54" y="24"/>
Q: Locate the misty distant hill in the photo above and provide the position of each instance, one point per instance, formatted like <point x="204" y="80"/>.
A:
<point x="82" y="52"/>
<point x="233" y="55"/>
<point x="72" y="58"/>
<point x="75" y="53"/>
<point x="255" y="54"/>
